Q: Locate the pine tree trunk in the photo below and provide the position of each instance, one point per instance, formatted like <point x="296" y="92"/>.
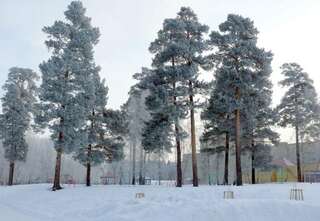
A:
<point x="299" y="174"/>
<point x="11" y="173"/>
<point x="179" y="168"/>
<point x="144" y="169"/>
<point x="208" y="168"/>
<point x="253" y="171"/>
<point x="177" y="136"/>
<point x="130" y="169"/>
<point x="301" y="157"/>
<point x="226" y="160"/>
<point x="141" y="167"/>
<point x="237" y="142"/>
<point x="88" y="183"/>
<point x="120" y="174"/>
<point x="217" y="168"/>
<point x="193" y="139"/>
<point x="159" y="168"/>
<point x="56" y="181"/>
<point x="133" y="164"/>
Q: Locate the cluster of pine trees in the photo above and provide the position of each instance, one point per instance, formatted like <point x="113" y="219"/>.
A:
<point x="71" y="101"/>
<point x="238" y="105"/>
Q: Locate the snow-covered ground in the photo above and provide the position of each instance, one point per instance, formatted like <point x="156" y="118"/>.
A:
<point x="265" y="202"/>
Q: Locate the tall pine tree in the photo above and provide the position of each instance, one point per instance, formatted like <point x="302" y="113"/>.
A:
<point x="191" y="46"/>
<point x="167" y="80"/>
<point x="299" y="106"/>
<point x="257" y="114"/>
<point x="238" y="58"/>
<point x="66" y="81"/>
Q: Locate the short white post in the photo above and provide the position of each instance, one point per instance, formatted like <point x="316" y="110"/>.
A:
<point x="228" y="194"/>
<point x="140" y="195"/>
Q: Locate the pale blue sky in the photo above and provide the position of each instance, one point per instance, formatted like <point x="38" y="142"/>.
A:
<point x="290" y="28"/>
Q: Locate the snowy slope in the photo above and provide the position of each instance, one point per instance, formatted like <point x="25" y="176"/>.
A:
<point x="267" y="202"/>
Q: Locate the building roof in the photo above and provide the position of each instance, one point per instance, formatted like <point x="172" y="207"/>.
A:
<point x="282" y="162"/>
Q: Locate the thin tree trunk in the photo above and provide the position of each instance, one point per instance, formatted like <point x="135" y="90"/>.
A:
<point x="144" y="168"/>
<point x="253" y="171"/>
<point x="179" y="168"/>
<point x="89" y="166"/>
<point x="193" y="139"/>
<point x="302" y="160"/>
<point x="129" y="164"/>
<point x="133" y="164"/>
<point x="226" y="160"/>
<point x="159" y="168"/>
<point x="237" y="142"/>
<point x="56" y="181"/>
<point x="121" y="173"/>
<point x="141" y="167"/>
<point x="217" y="168"/>
<point x="208" y="168"/>
<point x="11" y="173"/>
<point x="299" y="174"/>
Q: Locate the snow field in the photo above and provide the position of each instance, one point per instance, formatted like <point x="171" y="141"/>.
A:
<point x="262" y="202"/>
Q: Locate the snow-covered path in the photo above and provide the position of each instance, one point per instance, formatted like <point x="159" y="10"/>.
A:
<point x="267" y="202"/>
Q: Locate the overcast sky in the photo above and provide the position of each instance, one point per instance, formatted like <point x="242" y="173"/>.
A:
<point x="289" y="28"/>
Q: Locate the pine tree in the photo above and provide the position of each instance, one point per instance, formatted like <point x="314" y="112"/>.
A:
<point x="145" y="113"/>
<point x="115" y="131"/>
<point x="66" y="81"/>
<point x="299" y="107"/>
<point x="192" y="45"/>
<point x="18" y="105"/>
<point x="257" y="132"/>
<point x="257" y="115"/>
<point x="262" y="157"/>
<point x="165" y="82"/>
<point x="218" y="117"/>
<point x="178" y="52"/>
<point x="311" y="133"/>
<point x="237" y="57"/>
<point x="136" y="115"/>
<point x="156" y="137"/>
<point x="103" y="139"/>
<point x="156" y="134"/>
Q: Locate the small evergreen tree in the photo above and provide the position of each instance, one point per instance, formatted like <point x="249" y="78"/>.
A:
<point x="136" y="114"/>
<point x="299" y="107"/>
<point x="218" y="117"/>
<point x="18" y="105"/>
<point x="96" y="99"/>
